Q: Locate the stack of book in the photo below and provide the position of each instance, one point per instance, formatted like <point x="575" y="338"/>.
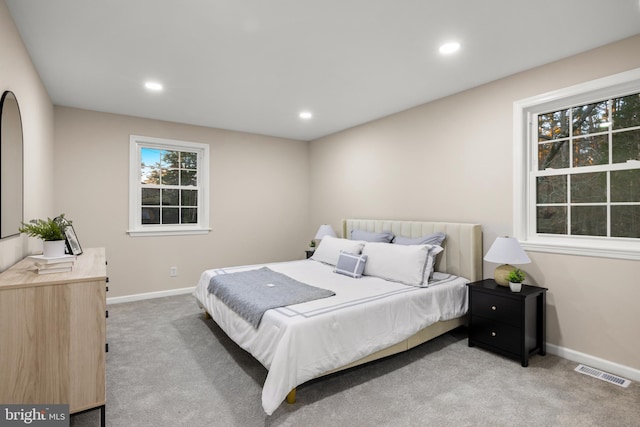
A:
<point x="46" y="265"/>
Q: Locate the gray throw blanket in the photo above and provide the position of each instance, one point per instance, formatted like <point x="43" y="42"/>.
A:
<point x="251" y="293"/>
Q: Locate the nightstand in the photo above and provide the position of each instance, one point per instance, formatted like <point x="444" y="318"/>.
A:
<point x="512" y="324"/>
<point x="309" y="253"/>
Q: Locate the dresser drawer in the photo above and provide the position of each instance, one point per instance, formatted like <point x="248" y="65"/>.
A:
<point x="496" y="334"/>
<point x="497" y="308"/>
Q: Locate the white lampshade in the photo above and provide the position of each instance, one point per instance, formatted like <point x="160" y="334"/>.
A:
<point x="325" y="230"/>
<point x="506" y="251"/>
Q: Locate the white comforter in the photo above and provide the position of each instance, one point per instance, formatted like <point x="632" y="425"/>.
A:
<point x="300" y="342"/>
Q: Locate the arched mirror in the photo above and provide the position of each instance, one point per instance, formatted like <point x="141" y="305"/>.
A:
<point x="10" y="166"/>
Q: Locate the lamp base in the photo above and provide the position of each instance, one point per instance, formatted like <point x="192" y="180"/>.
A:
<point x="501" y="274"/>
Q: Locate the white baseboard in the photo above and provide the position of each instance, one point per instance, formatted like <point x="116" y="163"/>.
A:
<point x="149" y="295"/>
<point x="595" y="362"/>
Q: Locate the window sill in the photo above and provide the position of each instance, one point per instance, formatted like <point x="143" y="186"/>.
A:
<point x="625" y="250"/>
<point x="167" y="232"/>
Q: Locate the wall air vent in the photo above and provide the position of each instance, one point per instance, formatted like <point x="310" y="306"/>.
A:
<point x="604" y="376"/>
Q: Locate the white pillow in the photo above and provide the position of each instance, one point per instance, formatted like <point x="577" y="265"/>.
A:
<point x="434" y="250"/>
<point x="410" y="265"/>
<point x="329" y="249"/>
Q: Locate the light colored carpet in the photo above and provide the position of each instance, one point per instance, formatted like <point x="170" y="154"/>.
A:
<point x="167" y="366"/>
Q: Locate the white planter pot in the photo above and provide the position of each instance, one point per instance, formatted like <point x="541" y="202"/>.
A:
<point x="515" y="287"/>
<point x="53" y="248"/>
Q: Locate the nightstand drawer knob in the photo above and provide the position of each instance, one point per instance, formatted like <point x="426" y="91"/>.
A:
<point x="493" y="307"/>
<point x="493" y="334"/>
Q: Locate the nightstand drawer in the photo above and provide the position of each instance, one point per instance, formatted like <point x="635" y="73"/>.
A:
<point x="497" y="308"/>
<point x="495" y="334"/>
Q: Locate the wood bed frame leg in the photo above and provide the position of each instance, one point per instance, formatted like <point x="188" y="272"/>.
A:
<point x="291" y="397"/>
<point x="207" y="316"/>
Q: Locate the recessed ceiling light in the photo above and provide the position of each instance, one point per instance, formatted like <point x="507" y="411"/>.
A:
<point x="154" y="86"/>
<point x="305" y="115"/>
<point x="448" y="48"/>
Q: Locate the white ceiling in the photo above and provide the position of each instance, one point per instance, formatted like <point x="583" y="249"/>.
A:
<point x="253" y="65"/>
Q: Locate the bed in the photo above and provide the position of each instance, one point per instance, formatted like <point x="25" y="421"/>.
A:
<point x="367" y="319"/>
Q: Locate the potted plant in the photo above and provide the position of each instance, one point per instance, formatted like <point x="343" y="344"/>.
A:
<point x="312" y="245"/>
<point x="50" y="231"/>
<point x="515" y="278"/>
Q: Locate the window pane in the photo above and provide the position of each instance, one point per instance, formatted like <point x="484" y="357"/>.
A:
<point x="170" y="197"/>
<point x="553" y="125"/>
<point x="592" y="150"/>
<point x="188" y="178"/>
<point x="150" y="196"/>
<point x="150" y="215"/>
<point x="625" y="186"/>
<point x="589" y="220"/>
<point x="589" y="188"/>
<point x="149" y="175"/>
<point x="552" y="189"/>
<point x="626" y="146"/>
<point x="189" y="197"/>
<point x="150" y="156"/>
<point x="589" y="118"/>
<point x="170" y="215"/>
<point x="189" y="215"/>
<point x="552" y="219"/>
<point x="625" y="221"/>
<point x="149" y="166"/>
<point x="626" y="111"/>
<point x="170" y="159"/>
<point x="170" y="177"/>
<point x="553" y="155"/>
<point x="188" y="160"/>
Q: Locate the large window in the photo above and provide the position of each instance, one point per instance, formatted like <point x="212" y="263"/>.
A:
<point x="577" y="186"/>
<point x="168" y="187"/>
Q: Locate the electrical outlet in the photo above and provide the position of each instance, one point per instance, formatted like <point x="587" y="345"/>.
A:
<point x="173" y="271"/>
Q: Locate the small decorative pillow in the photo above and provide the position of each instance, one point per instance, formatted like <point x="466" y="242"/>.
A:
<point x="430" y="239"/>
<point x="369" y="236"/>
<point x="350" y="265"/>
<point x="330" y="247"/>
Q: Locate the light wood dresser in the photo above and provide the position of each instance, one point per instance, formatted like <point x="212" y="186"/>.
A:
<point x="53" y="334"/>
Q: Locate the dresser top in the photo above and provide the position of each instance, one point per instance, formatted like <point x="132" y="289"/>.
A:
<point x="89" y="266"/>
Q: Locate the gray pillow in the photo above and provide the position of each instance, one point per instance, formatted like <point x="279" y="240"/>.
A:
<point x="368" y="236"/>
<point x="350" y="265"/>
<point x="430" y="239"/>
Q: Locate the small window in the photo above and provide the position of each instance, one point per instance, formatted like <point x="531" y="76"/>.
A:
<point x="168" y="187"/>
<point x="577" y="175"/>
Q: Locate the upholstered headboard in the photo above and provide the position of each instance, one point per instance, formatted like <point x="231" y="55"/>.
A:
<point x="462" y="253"/>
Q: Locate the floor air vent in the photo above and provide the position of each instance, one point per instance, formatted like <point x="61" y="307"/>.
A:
<point x="604" y="376"/>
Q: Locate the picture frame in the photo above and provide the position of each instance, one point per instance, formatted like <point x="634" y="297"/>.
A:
<point x="73" y="245"/>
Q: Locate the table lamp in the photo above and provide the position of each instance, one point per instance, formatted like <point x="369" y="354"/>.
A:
<point x="323" y="231"/>
<point x="505" y="251"/>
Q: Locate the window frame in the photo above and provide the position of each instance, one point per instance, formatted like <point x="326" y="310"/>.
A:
<point x="524" y="190"/>
<point x="136" y="228"/>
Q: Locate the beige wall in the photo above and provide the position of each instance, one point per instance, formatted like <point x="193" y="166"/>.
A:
<point x="451" y="160"/>
<point x="259" y="199"/>
<point x="18" y="75"/>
